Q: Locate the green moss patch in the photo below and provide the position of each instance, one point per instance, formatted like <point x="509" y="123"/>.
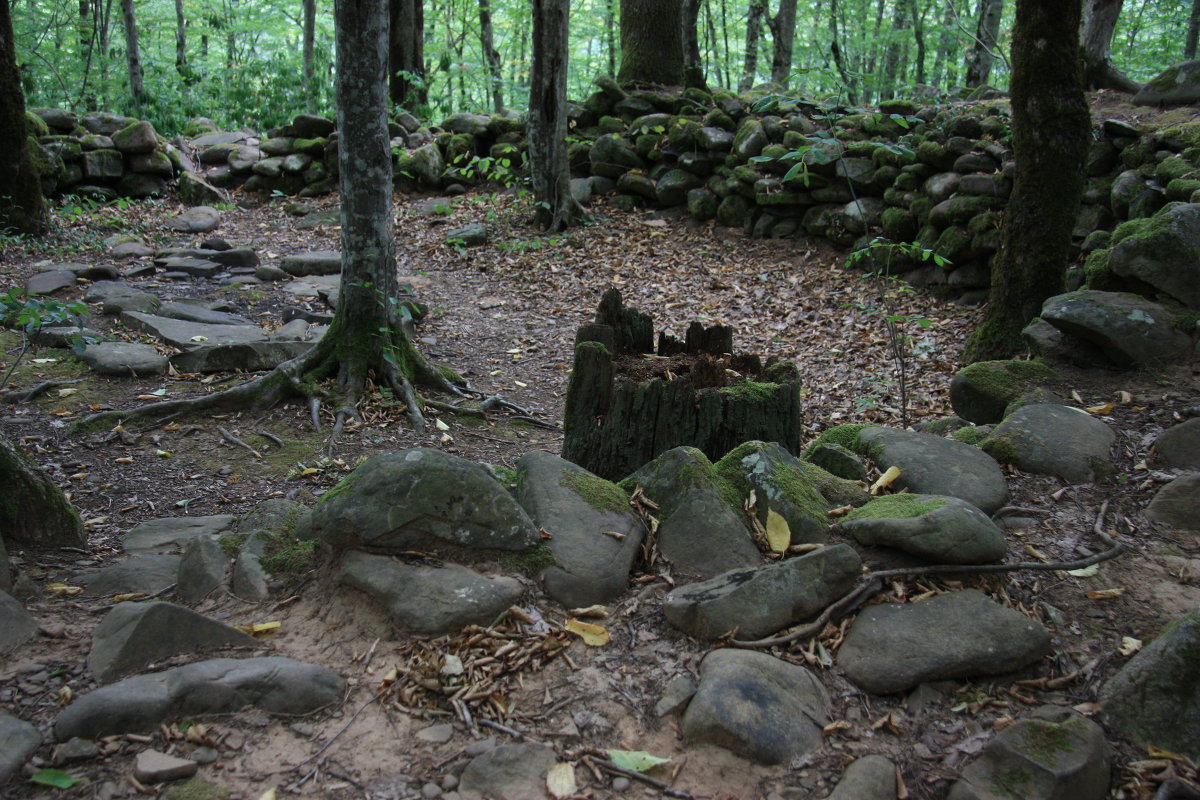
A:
<point x="897" y="506"/>
<point x="844" y="435"/>
<point x="531" y="562"/>
<point x="598" y="493"/>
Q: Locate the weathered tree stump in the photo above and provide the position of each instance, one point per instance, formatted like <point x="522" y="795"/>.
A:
<point x="627" y="404"/>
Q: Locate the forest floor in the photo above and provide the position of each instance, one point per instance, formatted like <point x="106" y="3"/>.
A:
<point x="504" y="315"/>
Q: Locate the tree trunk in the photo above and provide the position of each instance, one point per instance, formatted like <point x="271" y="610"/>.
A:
<point x="979" y="65"/>
<point x="407" y="86"/>
<point x="754" y="18"/>
<point x="783" y="31"/>
<point x="897" y="46"/>
<point x="310" y="40"/>
<point x="651" y="43"/>
<point x="487" y="41"/>
<point x="610" y="35"/>
<point x="1051" y="127"/>
<point x="693" y="66"/>
<point x="132" y="57"/>
<point x="1095" y="36"/>
<point x="33" y="511"/>
<point x="1193" y="32"/>
<point x="547" y="125"/>
<point x="89" y="15"/>
<point x="22" y="206"/>
<point x="180" y="40"/>
<point x="943" y="60"/>
<point x="835" y="49"/>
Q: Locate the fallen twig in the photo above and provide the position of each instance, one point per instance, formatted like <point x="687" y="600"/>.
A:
<point x="344" y="728"/>
<point x="229" y="437"/>
<point x="27" y="395"/>
<point x="608" y="766"/>
<point x="267" y="435"/>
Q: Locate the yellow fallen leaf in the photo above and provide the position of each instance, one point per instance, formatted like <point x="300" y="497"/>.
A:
<point x="258" y="627"/>
<point x="304" y="473"/>
<point x="836" y="727"/>
<point x="174" y="426"/>
<point x="1085" y="572"/>
<point x="885" y="480"/>
<point x="121" y="598"/>
<point x="560" y="780"/>
<point x="63" y="589"/>
<point x="1125" y="397"/>
<point x="1158" y="752"/>
<point x="60" y="412"/>
<point x="64" y="695"/>
<point x="67" y="392"/>
<point x="592" y="635"/>
<point x="1105" y="594"/>
<point x="1101" y="410"/>
<point x="269" y="794"/>
<point x="1129" y="645"/>
<point x="123" y="460"/>
<point x="522" y="384"/>
<point x="594" y="612"/>
<point x="441" y="426"/>
<point x="779" y="535"/>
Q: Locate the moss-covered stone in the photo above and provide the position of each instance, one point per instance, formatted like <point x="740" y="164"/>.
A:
<point x="598" y="493"/>
<point x="844" y="435"/>
<point x="897" y="506"/>
<point x="980" y="392"/>
<point x="970" y="435"/>
<point x="35" y="126"/>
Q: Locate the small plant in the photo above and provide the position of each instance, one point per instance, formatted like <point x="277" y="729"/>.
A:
<point x="30" y="315"/>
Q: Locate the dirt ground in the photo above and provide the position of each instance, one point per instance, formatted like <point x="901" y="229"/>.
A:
<point x="504" y="315"/>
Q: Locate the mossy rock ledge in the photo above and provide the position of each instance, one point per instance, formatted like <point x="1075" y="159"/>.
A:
<point x="628" y="401"/>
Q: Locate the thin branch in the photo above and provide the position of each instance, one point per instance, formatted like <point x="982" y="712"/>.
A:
<point x="229" y="437"/>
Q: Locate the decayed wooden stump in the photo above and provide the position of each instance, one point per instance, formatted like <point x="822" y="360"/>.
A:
<point x="627" y="404"/>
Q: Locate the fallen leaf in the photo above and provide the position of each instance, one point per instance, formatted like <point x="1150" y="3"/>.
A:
<point x="840" y="511"/>
<point x="67" y="392"/>
<point x="1085" y="572"/>
<point x="54" y="777"/>
<point x="885" y="480"/>
<point x="122" y="598"/>
<point x="1125" y="398"/>
<point x="269" y="794"/>
<point x="199" y="339"/>
<point x="1129" y="645"/>
<point x="779" y="535"/>
<point x="258" y="627"/>
<point x="1105" y="594"/>
<point x="64" y="695"/>
<point x="636" y="760"/>
<point x="43" y="360"/>
<point x="1158" y="752"/>
<point x="560" y="780"/>
<point x="592" y="612"/>
<point x="592" y="635"/>
<point x="441" y="426"/>
<point x="836" y="727"/>
<point x="1101" y="410"/>
<point x="63" y="589"/>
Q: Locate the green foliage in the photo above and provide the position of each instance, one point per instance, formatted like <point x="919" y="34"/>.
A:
<point x="30" y="315"/>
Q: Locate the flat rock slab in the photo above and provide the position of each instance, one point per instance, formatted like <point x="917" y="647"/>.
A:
<point x="246" y="356"/>
<point x="1049" y="439"/>
<point x="578" y="507"/>
<point x="16" y="625"/>
<point x="49" y="282"/>
<point x="123" y="359"/>
<point x="18" y="740"/>
<point x="134" y="635"/>
<point x="198" y="219"/>
<point x="116" y="297"/>
<point x="147" y="574"/>
<point x="321" y="262"/>
<point x="311" y="286"/>
<point x="190" y="335"/>
<point x="1053" y="753"/>
<point x="426" y="599"/>
<point x="895" y="646"/>
<point x="189" y="312"/>
<point x="1177" y="504"/>
<point x="759" y="601"/>
<point x="944" y="530"/>
<point x="509" y="772"/>
<point x="871" y="777"/>
<point x="421" y="499"/>
<point x="1131" y="330"/>
<point x="192" y="267"/>
<point x="153" y="766"/>
<point x="757" y="706"/>
<point x="172" y="534"/>
<point x="929" y="464"/>
<point x="220" y="686"/>
<point x="91" y="272"/>
<point x="1179" y="445"/>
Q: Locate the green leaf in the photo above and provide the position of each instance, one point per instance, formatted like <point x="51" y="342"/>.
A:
<point x="54" y="777"/>
<point x="636" y="760"/>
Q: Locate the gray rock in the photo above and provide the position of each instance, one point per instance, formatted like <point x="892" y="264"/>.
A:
<point x="676" y="695"/>
<point x="139" y="137"/>
<point x="148" y="574"/>
<point x="471" y="235"/>
<point x="152" y="766"/>
<point x="16" y="625"/>
<point x="134" y="635"/>
<point x="102" y="165"/>
<point x="578" y="508"/>
<point x="276" y="517"/>
<point x="41" y="283"/>
<point x="173" y="534"/>
<point x="131" y="250"/>
<point x="197" y="219"/>
<point x="242" y="159"/>
<point x="699" y="533"/>
<point x="117" y="297"/>
<point x="244" y="356"/>
<point x="1179" y="445"/>
<point x="124" y="359"/>
<point x="1051" y="754"/>
<point x="195" y="190"/>
<point x="1177" y="505"/>
<point x="427" y="165"/>
<point x="154" y="163"/>
<point x="73" y="751"/>
<point x="428" y="599"/>
<point x="714" y="140"/>
<point x="759" y="601"/>
<point x="220" y="137"/>
<point x="192" y="267"/>
<point x="1131" y="330"/>
<point x="18" y="740"/>
<point x="944" y="530"/>
<point x="218" y="686"/>
<point x="323" y="262"/>
<point x="134" y="184"/>
<point x="312" y="126"/>
<point x="932" y="465"/>
<point x="509" y="772"/>
<point x="1164" y="253"/>
<point x="190" y="335"/>
<point x="611" y="157"/>
<point x="1176" y="85"/>
<point x="6" y="583"/>
<point x="201" y="570"/>
<point x="60" y="119"/>
<point x="1049" y="439"/>
<point x="465" y="122"/>
<point x="190" y="312"/>
<point x="893" y="647"/>
<point x="871" y="777"/>
<point x="673" y="186"/>
<point x="980" y="392"/>
<point x="92" y="272"/>
<point x="838" y="461"/>
<point x="248" y="580"/>
<point x="1155" y="698"/>
<point x="421" y="499"/>
<point x="756" y="706"/>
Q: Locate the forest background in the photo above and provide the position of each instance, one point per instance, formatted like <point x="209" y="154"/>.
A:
<point x="258" y="62"/>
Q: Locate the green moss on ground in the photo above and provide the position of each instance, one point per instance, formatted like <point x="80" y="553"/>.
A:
<point x="288" y="559"/>
<point x="897" y="506"/>
<point x="969" y="435"/>
<point x="751" y="391"/>
<point x="1000" y="448"/>
<point x="1005" y="379"/>
<point x="1045" y="741"/>
<point x="598" y="493"/>
<point x="231" y="543"/>
<point x="531" y="562"/>
<point x="844" y="435"/>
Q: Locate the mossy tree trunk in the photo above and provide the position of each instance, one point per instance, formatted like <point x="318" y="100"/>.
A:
<point x="22" y="207"/>
<point x="547" y="124"/>
<point x="33" y="511"/>
<point x="1099" y="22"/>
<point x="651" y="43"/>
<point x="979" y="64"/>
<point x="1050" y="141"/>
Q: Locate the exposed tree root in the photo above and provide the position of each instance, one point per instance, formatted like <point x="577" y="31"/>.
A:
<point x="29" y="394"/>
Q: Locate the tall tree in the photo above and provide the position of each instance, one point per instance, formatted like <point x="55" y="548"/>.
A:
<point x="547" y="125"/>
<point x="22" y="207"/>
<point x="1051" y="127"/>
<point x="180" y="39"/>
<point x="987" y="32"/>
<point x="407" y="86"/>
<point x="783" y="32"/>
<point x="754" y="22"/>
<point x="487" y="40"/>
<point x="1193" y="32"/>
<point x="1095" y="36"/>
<point x="308" y="56"/>
<point x="133" y="58"/>
<point x="651" y="42"/>
<point x="693" y="67"/>
<point x="897" y="46"/>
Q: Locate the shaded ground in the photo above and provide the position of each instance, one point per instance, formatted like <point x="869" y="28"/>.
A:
<point x="504" y="315"/>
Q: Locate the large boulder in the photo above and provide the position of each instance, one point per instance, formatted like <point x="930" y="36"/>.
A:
<point x="1131" y="330"/>
<point x="1155" y="698"/>
<point x="16" y="625"/>
<point x="1176" y="85"/>
<point x="929" y="464"/>
<point x="1162" y="251"/>
<point x="944" y="530"/>
<point x="596" y="535"/>
<point x="611" y="156"/>
<point x="1050" y="439"/>
<point x="421" y="499"/>
<point x="18" y="740"/>
<point x="1179" y="445"/>
<point x="34" y="512"/>
<point x="981" y="391"/>
<point x="1177" y="505"/>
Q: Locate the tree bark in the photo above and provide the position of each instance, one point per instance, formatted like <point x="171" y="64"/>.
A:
<point x="897" y="46"/>
<point x="835" y="50"/>
<point x="180" y="40"/>
<point x="1051" y="127"/>
<point x="407" y="86"/>
<point x="133" y="57"/>
<point x="33" y="511"/>
<point x="1095" y="36"/>
<point x="754" y="18"/>
<point x="547" y="124"/>
<point x="651" y="43"/>
<point x="1193" y="32"/>
<point x="308" y="48"/>
<point x="979" y="64"/>
<point x="943" y="59"/>
<point x="783" y="31"/>
<point x="487" y="41"/>
<point x="22" y="207"/>
<point x="693" y="67"/>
